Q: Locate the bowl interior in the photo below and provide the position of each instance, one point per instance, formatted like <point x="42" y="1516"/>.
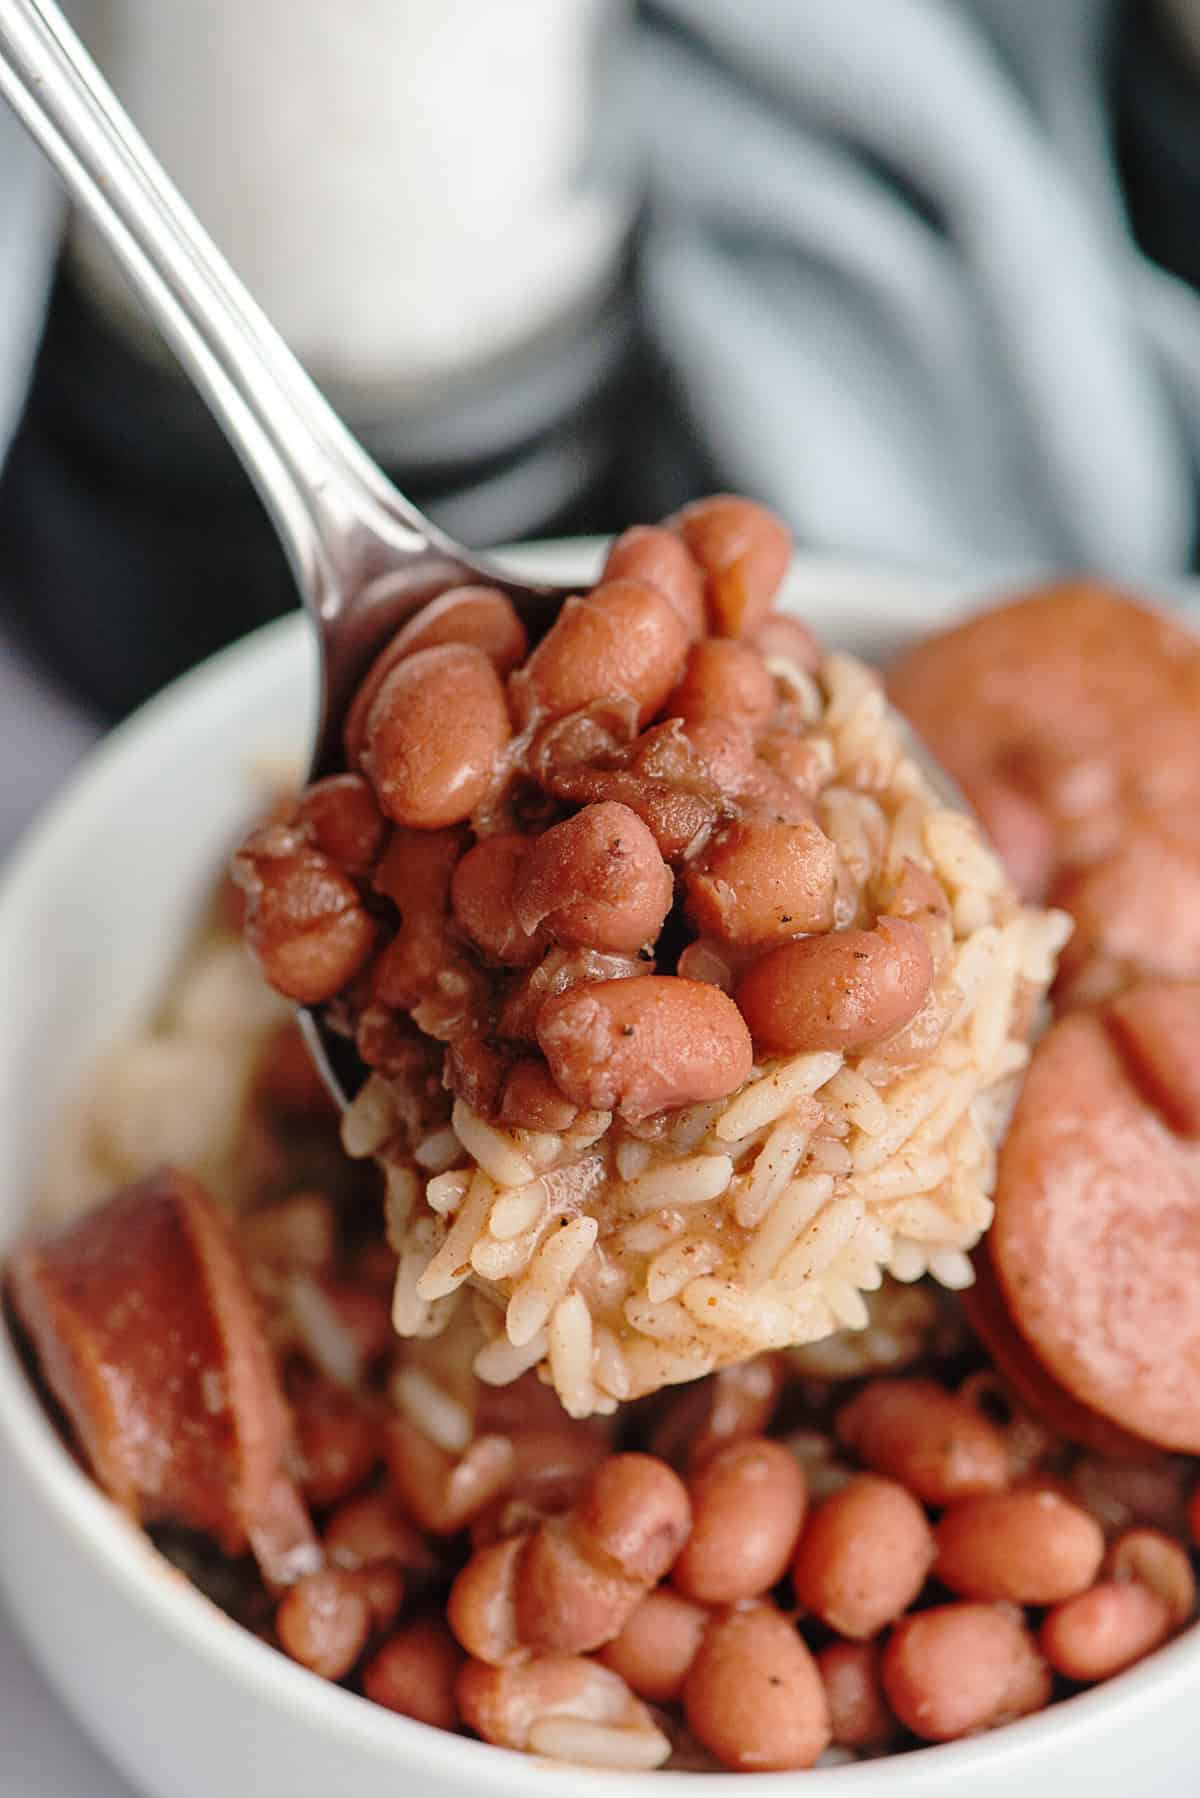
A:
<point x="94" y="909"/>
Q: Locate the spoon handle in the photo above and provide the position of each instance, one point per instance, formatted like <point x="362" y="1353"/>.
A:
<point x="332" y="506"/>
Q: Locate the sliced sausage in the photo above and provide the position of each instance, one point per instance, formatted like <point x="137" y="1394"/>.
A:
<point x="1096" y="1239"/>
<point x="184" y="1423"/>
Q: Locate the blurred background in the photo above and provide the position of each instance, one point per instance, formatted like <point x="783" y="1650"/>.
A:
<point x="920" y="273"/>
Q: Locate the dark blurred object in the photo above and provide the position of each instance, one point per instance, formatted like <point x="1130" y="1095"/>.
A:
<point x="1156" y="122"/>
<point x="131" y="544"/>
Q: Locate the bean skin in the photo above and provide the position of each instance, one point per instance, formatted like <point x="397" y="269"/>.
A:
<point x="481" y="894"/>
<point x="748" y="1506"/>
<point x="645" y="1044"/>
<point x="727" y="680"/>
<point x="787" y="639"/>
<point x="510" y="1705"/>
<point x="657" y="1645"/>
<point x="434" y="734"/>
<point x="760" y="884"/>
<point x="863" y="1556"/>
<point x="743" y="551"/>
<point x="558" y="972"/>
<point x="304" y="919"/>
<point x="939" y="1446"/>
<point x="624" y="640"/>
<point x="1157" y="1561"/>
<point x="415" y="1672"/>
<point x="481" y="1608"/>
<point x="753" y="1695"/>
<point x="341" y="819"/>
<point x="845" y="990"/>
<point x="958" y="1668"/>
<point x="595" y="881"/>
<point x="1027" y="1547"/>
<point x="1102" y="1631"/>
<point x="480" y="616"/>
<point x="323" y="1622"/>
<point x="858" y="1712"/>
<point x="658" y="558"/>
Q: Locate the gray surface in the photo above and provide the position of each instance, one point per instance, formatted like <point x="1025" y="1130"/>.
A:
<point x="42" y="737"/>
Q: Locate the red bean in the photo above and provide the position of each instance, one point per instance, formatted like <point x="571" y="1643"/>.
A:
<point x="443" y="1494"/>
<point x="415" y="1673"/>
<point x="676" y="820"/>
<point x="787" y="639"/>
<point x="570" y="1584"/>
<point x="658" y="558"/>
<point x="531" y="1100"/>
<point x="863" y="1556"/>
<point x="938" y="1445"/>
<point x="481" y="1608"/>
<point x="1027" y="1547"/>
<point x="595" y="881"/>
<point x="323" y="1622"/>
<point x="842" y="991"/>
<point x="304" y="919"/>
<point x="743" y="551"/>
<point x="373" y="1528"/>
<point x="657" y="1645"/>
<point x="521" y="1707"/>
<point x="1155" y="1560"/>
<point x="434" y="736"/>
<point x="624" y="640"/>
<point x="336" y="1441"/>
<point x="759" y="884"/>
<point x="748" y="1506"/>
<point x="559" y="972"/>
<point x="645" y="1044"/>
<point x="726" y="680"/>
<point x="707" y="1415"/>
<point x="479" y="616"/>
<point x="753" y="1695"/>
<point x="342" y="820"/>
<point x="1100" y="1632"/>
<point x="383" y="1586"/>
<point x="851" y="1675"/>
<point x="482" y="896"/>
<point x="962" y="1667"/>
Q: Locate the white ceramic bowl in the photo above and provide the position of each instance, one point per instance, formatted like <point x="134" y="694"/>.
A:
<point x="92" y="912"/>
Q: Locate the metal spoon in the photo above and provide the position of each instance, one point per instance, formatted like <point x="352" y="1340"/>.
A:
<point x="364" y="557"/>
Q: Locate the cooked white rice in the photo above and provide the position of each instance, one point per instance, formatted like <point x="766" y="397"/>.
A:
<point x="617" y="1262"/>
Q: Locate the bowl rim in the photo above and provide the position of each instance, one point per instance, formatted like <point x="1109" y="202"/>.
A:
<point x="120" y="1553"/>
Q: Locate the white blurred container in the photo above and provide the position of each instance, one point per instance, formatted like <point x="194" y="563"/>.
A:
<point x="408" y="187"/>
